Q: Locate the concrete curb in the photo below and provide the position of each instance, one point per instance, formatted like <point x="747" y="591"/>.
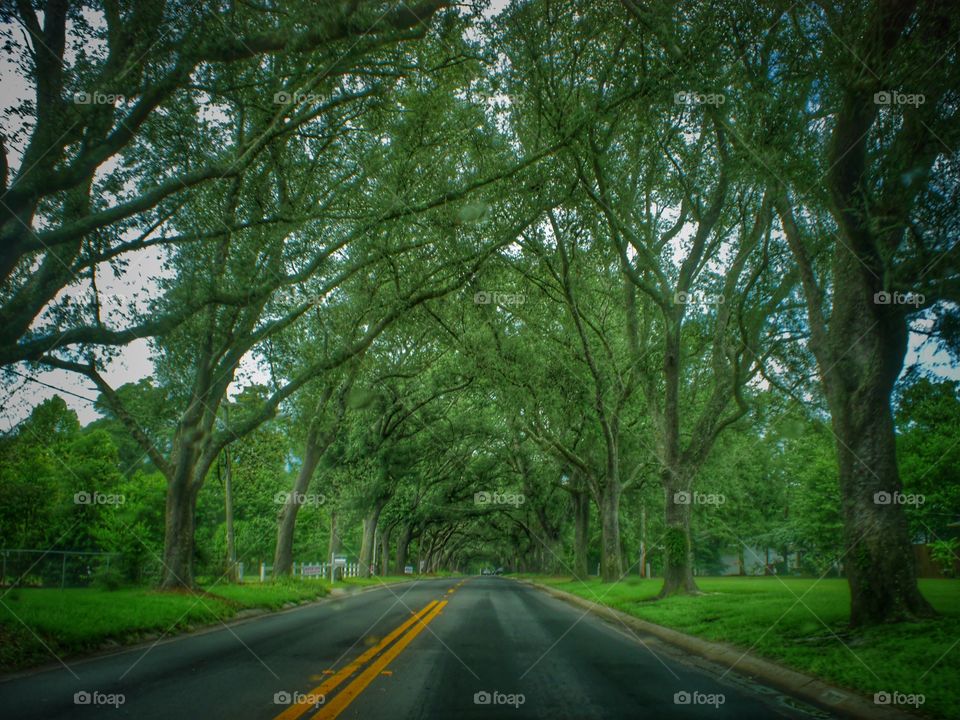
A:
<point x="243" y="616"/>
<point x="805" y="687"/>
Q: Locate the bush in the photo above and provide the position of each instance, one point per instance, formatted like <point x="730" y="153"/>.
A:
<point x="108" y="578"/>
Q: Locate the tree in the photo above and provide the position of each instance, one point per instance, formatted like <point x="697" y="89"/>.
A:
<point x="116" y="139"/>
<point x="886" y="173"/>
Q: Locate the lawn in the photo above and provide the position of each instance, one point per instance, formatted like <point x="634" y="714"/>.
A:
<point x="803" y="623"/>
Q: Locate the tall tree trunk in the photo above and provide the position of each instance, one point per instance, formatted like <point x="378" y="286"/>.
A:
<point x="403" y="543"/>
<point x="581" y="533"/>
<point x="385" y="533"/>
<point x="678" y="565"/>
<point x="369" y="531"/>
<point x="426" y="554"/>
<point x="334" y="544"/>
<point x="611" y="564"/>
<point x="228" y="501"/>
<point x="283" y="556"/>
<point x="880" y="564"/>
<point x="178" y="541"/>
<point x="643" y="541"/>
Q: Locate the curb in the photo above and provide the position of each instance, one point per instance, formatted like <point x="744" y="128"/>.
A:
<point x="244" y="615"/>
<point x="805" y="687"/>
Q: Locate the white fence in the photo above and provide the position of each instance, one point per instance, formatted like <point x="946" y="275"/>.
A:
<point x="316" y="570"/>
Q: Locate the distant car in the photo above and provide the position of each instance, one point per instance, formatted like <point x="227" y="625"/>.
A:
<point x="486" y="571"/>
<point x="498" y="571"/>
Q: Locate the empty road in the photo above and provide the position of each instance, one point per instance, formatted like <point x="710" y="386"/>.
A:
<point x="480" y="647"/>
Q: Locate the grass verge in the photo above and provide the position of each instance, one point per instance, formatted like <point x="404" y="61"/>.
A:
<point x="802" y="623"/>
<point x="39" y="625"/>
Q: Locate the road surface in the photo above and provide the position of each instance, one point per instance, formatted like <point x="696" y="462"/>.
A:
<point x="481" y="647"/>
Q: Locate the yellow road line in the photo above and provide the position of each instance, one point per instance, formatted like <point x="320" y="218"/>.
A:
<point x="353" y="690"/>
<point x="298" y="709"/>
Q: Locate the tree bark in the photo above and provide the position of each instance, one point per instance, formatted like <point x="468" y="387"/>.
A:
<point x="581" y="533"/>
<point x="369" y="530"/>
<point x="403" y="544"/>
<point x="228" y="501"/>
<point x="283" y="556"/>
<point x="334" y="544"/>
<point x="178" y="541"/>
<point x="880" y="564"/>
<point x="678" y="561"/>
<point x="611" y="564"/>
<point x="385" y="533"/>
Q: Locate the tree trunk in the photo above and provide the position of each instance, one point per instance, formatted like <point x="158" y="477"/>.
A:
<point x="283" y="556"/>
<point x="403" y="544"/>
<point x="643" y="541"/>
<point x="385" y="549"/>
<point x="369" y="531"/>
<point x="178" y="541"/>
<point x="334" y="545"/>
<point x="678" y="565"/>
<point x="611" y="565"/>
<point x="581" y="533"/>
<point x="879" y="559"/>
<point x="228" y="500"/>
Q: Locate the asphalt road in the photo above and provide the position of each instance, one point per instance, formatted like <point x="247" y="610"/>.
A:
<point x="484" y="647"/>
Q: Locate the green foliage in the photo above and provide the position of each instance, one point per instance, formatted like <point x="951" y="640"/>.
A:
<point x="928" y="451"/>
<point x="944" y="553"/>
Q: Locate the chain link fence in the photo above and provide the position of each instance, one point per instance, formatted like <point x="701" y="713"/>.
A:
<point x="55" y="568"/>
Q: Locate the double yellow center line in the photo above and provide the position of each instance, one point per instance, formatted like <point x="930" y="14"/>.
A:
<point x="346" y="696"/>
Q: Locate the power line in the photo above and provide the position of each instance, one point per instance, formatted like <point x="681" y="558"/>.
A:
<point x="52" y="387"/>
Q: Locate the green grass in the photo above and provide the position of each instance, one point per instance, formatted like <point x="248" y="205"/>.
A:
<point x="763" y="615"/>
<point x="75" y="621"/>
